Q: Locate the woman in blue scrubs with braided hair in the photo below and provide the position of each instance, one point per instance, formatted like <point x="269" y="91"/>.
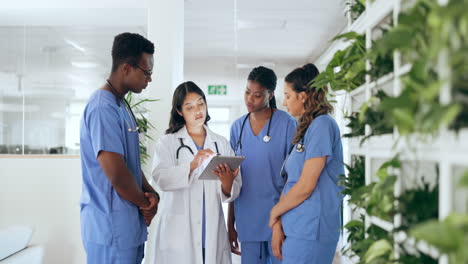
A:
<point x="310" y="206"/>
<point x="264" y="137"/>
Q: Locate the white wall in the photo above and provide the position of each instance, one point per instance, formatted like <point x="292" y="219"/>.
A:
<point x="44" y="193"/>
<point x="215" y="71"/>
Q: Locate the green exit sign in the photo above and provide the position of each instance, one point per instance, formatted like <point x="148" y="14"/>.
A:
<point x="217" y="89"/>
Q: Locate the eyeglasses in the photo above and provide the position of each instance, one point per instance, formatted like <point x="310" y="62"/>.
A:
<point x="145" y="72"/>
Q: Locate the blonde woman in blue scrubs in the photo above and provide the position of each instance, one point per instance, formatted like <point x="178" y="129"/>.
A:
<point x="308" y="213"/>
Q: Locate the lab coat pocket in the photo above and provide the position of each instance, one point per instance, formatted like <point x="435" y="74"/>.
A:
<point x="172" y="235"/>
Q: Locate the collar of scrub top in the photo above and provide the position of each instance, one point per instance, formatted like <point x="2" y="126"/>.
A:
<point x="182" y="145"/>
<point x="266" y="138"/>
<point x="118" y="99"/>
<point x="299" y="148"/>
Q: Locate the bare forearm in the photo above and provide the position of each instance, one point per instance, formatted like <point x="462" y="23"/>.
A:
<point x="148" y="188"/>
<point x="146" y="185"/>
<point x="303" y="188"/>
<point x="227" y="177"/>
<point x="278" y="225"/>
<point x="292" y="199"/>
<point x="231" y="217"/>
<point x="130" y="191"/>
<point x="121" y="178"/>
<point x="226" y="189"/>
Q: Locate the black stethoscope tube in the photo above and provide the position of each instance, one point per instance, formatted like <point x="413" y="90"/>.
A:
<point x="266" y="138"/>
<point x="118" y="98"/>
<point x="182" y="145"/>
<point x="299" y="148"/>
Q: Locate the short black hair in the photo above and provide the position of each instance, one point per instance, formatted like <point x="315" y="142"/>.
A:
<point x="128" y="48"/>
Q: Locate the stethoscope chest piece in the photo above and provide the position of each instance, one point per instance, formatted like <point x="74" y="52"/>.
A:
<point x="266" y="138"/>
<point x="300" y="147"/>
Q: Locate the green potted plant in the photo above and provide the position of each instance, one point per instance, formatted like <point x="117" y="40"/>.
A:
<point x="143" y="123"/>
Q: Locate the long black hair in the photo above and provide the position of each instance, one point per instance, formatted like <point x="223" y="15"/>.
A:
<point x="177" y="121"/>
<point x="266" y="78"/>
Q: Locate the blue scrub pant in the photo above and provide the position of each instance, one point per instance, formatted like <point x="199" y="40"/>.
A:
<point x="101" y="254"/>
<point x="258" y="252"/>
<point x="300" y="251"/>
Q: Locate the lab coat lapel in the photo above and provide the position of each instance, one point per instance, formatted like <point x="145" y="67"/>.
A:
<point x="208" y="139"/>
<point x="182" y="133"/>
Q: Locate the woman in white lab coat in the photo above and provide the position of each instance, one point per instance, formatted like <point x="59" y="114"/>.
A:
<point x="190" y="227"/>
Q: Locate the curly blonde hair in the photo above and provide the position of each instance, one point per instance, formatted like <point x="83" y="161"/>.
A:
<point x="316" y="103"/>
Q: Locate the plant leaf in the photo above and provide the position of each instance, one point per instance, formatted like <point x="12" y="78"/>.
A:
<point x="378" y="249"/>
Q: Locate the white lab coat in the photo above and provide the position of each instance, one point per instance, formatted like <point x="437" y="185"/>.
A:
<point x="179" y="221"/>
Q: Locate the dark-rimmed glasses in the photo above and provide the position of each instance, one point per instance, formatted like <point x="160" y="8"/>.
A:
<point x="145" y="72"/>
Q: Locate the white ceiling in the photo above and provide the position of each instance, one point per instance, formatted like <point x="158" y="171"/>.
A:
<point x="273" y="33"/>
<point x="261" y="30"/>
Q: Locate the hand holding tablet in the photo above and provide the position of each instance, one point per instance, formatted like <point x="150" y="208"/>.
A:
<point x="232" y="161"/>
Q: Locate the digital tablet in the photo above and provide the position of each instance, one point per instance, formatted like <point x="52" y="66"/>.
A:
<point x="232" y="161"/>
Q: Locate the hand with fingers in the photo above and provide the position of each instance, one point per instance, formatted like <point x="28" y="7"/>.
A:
<point x="277" y="240"/>
<point x="274" y="216"/>
<point x="233" y="240"/>
<point x="200" y="157"/>
<point x="150" y="211"/>
<point x="226" y="176"/>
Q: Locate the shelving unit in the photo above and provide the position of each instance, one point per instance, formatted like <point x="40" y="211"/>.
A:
<point x="402" y="237"/>
<point x="447" y="151"/>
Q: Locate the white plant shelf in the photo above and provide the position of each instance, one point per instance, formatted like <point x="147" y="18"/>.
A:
<point x="447" y="149"/>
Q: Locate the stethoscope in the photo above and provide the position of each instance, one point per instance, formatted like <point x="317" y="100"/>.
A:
<point x="266" y="138"/>
<point x="182" y="145"/>
<point x="118" y="98"/>
<point x="299" y="148"/>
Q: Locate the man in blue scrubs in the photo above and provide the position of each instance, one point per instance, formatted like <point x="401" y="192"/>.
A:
<point x="117" y="202"/>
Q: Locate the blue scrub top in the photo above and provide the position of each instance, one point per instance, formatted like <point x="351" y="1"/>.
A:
<point x="319" y="216"/>
<point x="261" y="180"/>
<point x="107" y="218"/>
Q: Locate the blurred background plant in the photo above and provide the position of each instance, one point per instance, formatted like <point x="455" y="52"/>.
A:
<point x="143" y="123"/>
